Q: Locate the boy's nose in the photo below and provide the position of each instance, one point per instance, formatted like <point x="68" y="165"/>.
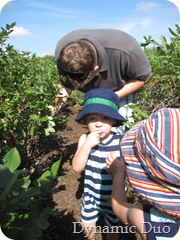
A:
<point x="98" y="123"/>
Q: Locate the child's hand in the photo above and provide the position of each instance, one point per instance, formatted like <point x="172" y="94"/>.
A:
<point x="93" y="139"/>
<point x="113" y="165"/>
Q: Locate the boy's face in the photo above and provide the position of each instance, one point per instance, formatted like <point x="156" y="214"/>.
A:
<point x="100" y="123"/>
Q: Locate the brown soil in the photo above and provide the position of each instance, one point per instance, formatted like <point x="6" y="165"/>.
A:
<point x="70" y="186"/>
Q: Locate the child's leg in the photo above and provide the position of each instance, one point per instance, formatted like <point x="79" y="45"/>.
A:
<point x="89" y="230"/>
<point x="112" y="236"/>
<point x="112" y="223"/>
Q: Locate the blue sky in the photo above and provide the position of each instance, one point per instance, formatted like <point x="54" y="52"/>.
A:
<point x="41" y="23"/>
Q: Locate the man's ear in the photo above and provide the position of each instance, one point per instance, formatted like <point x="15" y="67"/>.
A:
<point x="96" y="68"/>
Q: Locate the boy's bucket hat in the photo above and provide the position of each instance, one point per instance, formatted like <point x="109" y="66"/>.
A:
<point x="101" y="101"/>
<point x="151" y="150"/>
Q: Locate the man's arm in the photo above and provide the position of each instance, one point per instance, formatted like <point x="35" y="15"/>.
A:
<point x="62" y="97"/>
<point x="130" y="87"/>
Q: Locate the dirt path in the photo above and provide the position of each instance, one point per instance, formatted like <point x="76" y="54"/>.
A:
<point x="68" y="199"/>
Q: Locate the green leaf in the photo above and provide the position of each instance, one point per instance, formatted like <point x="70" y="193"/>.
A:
<point x="172" y="32"/>
<point x="144" y="115"/>
<point x="49" y="130"/>
<point x="55" y="167"/>
<point x="9" y="187"/>
<point x="34" y="117"/>
<point x="12" y="159"/>
<point x="163" y="42"/>
<point x="43" y="119"/>
<point x="144" y="44"/>
<point x="6" y="176"/>
<point x="44" y="176"/>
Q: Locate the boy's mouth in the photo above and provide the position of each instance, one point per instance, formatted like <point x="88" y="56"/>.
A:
<point x="100" y="133"/>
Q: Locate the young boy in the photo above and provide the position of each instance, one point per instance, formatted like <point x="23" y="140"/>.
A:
<point x="100" y="114"/>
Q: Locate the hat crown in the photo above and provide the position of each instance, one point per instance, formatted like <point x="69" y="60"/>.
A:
<point x="159" y="141"/>
<point x="102" y="93"/>
<point x="165" y="129"/>
<point x="152" y="150"/>
<point x="102" y="101"/>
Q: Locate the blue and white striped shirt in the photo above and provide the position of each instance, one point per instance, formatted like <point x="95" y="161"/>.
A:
<point x="97" y="182"/>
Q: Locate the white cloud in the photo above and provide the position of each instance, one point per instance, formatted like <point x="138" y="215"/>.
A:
<point x="134" y="26"/>
<point x="47" y="54"/>
<point x="146" y="22"/>
<point x="20" y="32"/>
<point x="128" y="27"/>
<point x="146" y="6"/>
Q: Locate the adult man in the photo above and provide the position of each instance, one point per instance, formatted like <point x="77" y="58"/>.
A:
<point x="108" y="58"/>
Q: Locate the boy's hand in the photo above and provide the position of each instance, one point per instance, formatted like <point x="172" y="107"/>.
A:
<point x="114" y="166"/>
<point x="93" y="139"/>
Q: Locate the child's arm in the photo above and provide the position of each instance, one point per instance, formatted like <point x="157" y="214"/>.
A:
<point x="129" y="214"/>
<point x="85" y="144"/>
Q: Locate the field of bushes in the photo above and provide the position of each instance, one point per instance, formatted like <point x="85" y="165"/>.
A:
<point x="28" y="93"/>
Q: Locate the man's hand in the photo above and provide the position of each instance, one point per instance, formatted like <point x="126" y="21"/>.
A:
<point x="60" y="99"/>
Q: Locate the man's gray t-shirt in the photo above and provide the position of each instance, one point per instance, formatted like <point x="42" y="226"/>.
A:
<point x="120" y="57"/>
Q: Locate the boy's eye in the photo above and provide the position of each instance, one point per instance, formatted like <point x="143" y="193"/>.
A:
<point x="92" y="119"/>
<point x="105" y="118"/>
<point x="95" y="119"/>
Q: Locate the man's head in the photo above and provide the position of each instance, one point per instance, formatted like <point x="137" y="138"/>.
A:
<point x="77" y="64"/>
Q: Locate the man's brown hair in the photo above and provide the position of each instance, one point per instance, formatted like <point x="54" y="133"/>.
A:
<point x="76" y="59"/>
